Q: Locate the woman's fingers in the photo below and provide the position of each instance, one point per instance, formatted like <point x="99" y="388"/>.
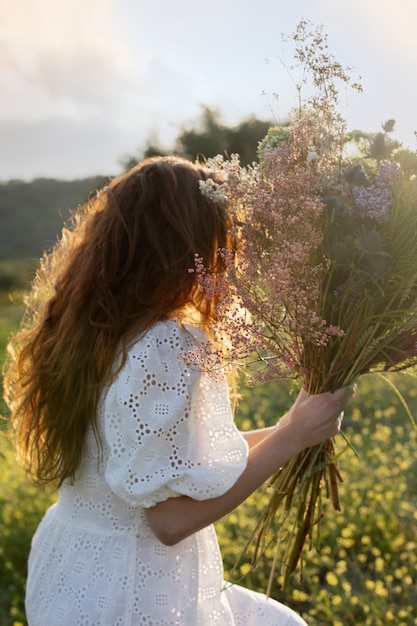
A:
<point x="337" y="425"/>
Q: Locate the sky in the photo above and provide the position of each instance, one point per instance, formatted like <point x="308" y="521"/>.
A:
<point x="85" y="83"/>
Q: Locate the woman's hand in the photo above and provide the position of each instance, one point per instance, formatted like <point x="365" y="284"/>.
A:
<point x="316" y="417"/>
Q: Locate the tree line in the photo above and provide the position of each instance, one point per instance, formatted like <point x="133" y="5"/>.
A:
<point x="32" y="213"/>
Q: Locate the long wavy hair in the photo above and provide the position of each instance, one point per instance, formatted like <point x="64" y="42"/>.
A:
<point x="121" y="265"/>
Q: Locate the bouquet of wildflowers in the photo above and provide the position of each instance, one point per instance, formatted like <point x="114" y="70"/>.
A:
<point x="325" y="279"/>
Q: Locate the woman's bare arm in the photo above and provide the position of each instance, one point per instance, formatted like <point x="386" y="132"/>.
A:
<point x="253" y="437"/>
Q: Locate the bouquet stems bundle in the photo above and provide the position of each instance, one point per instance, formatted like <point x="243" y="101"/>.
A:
<point x="297" y="484"/>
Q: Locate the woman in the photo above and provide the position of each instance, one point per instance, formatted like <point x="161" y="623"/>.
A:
<point x="142" y="446"/>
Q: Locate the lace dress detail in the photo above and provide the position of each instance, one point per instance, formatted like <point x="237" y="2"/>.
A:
<point x="166" y="430"/>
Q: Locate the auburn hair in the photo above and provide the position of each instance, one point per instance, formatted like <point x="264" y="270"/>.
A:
<point x="122" y="264"/>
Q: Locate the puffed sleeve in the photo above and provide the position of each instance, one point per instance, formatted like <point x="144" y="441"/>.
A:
<point x="168" y="427"/>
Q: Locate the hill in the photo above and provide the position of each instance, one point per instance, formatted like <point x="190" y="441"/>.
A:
<point x="32" y="213"/>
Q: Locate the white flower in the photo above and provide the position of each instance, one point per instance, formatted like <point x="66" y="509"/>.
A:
<point x="312" y="156"/>
<point x="274" y="137"/>
<point x="213" y="191"/>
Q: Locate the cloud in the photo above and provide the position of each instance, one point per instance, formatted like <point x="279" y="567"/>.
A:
<point x="76" y="90"/>
<point x="90" y="80"/>
<point x="70" y="101"/>
<point x="76" y="149"/>
<point x="87" y="81"/>
<point x="58" y="56"/>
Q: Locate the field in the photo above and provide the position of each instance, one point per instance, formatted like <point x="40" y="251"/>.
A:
<point x="366" y="570"/>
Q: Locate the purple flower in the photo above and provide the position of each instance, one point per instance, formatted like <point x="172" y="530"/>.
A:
<point x="388" y="174"/>
<point x="372" y="202"/>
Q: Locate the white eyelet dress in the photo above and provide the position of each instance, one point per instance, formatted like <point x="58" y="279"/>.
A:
<point x="166" y="430"/>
